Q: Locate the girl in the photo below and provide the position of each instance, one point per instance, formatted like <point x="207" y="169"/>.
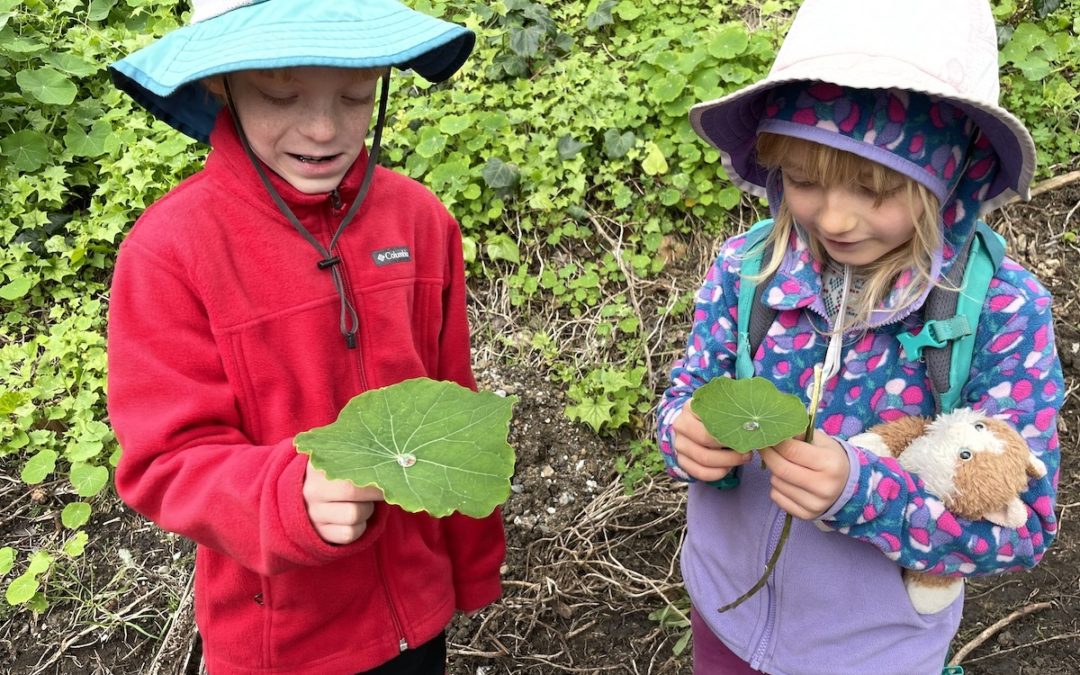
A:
<point x="878" y="141"/>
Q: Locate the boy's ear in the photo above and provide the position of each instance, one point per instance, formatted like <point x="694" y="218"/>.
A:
<point x="215" y="84"/>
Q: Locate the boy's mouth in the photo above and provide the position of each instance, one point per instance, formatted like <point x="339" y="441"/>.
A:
<point x="315" y="159"/>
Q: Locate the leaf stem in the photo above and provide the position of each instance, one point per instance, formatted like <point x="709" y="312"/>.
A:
<point x="815" y="400"/>
<point x="768" y="568"/>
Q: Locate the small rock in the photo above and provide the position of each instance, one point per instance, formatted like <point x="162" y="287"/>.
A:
<point x="547" y="471"/>
<point x="551" y="510"/>
<point x="517" y="488"/>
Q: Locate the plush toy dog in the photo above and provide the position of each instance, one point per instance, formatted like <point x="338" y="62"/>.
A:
<point x="977" y="465"/>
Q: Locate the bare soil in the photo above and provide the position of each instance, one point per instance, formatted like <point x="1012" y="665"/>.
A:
<point x="589" y="565"/>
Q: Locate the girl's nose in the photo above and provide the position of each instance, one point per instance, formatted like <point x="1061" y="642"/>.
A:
<point x="838" y="214"/>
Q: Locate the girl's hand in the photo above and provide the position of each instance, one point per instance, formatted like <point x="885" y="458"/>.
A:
<point x="807" y="478"/>
<point x="338" y="510"/>
<point x="698" y="453"/>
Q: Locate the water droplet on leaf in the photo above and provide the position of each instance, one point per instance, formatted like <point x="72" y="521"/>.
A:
<point x="751" y="426"/>
<point x="406" y="460"/>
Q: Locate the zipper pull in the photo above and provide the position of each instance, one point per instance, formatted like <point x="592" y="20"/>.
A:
<point x="403" y="645"/>
<point x="335" y="200"/>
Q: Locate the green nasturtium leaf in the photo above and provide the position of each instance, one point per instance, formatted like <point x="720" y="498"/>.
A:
<point x="88" y="479"/>
<point x="748" y="414"/>
<point x="428" y="445"/>
<point x="74" y="547"/>
<point x="7" y="559"/>
<point x="75" y="515"/>
<point x="47" y="85"/>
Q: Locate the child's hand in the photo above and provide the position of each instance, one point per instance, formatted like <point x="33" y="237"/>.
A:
<point x="698" y="453"/>
<point x="807" y="478"/>
<point x="338" y="509"/>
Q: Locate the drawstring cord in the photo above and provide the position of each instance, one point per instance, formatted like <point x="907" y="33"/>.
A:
<point x="832" y="355"/>
<point x="348" y="320"/>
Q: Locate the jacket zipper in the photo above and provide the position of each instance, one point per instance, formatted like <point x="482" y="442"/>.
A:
<point x="403" y="643"/>
<point x="770" y="620"/>
<point x="336" y="207"/>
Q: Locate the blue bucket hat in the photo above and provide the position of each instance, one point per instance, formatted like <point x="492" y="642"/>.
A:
<point x="230" y="35"/>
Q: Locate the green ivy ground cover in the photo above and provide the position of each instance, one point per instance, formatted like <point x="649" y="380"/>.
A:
<point x="569" y="118"/>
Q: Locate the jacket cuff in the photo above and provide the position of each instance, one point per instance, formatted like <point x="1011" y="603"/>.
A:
<point x="299" y="528"/>
<point x="854" y="470"/>
<point x="473" y="595"/>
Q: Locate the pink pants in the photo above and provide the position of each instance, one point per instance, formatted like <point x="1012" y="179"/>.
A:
<point x="711" y="655"/>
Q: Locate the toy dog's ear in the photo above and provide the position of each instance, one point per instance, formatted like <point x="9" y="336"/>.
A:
<point x="891" y="438"/>
<point x="1036" y="468"/>
<point x="1013" y="514"/>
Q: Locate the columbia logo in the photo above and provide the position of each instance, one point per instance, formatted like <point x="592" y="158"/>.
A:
<point x="389" y="256"/>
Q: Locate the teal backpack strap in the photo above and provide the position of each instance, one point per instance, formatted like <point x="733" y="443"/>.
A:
<point x="753" y="253"/>
<point x="951" y="317"/>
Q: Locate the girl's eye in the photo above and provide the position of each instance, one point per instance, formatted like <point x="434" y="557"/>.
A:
<point x="802" y="184"/>
<point x="357" y="100"/>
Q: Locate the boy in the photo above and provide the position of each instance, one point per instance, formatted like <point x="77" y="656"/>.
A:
<point x="255" y="299"/>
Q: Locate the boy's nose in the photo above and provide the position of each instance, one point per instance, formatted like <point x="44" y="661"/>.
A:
<point x="319" y="125"/>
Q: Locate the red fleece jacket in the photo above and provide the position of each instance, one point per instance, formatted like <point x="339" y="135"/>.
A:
<point x="223" y="345"/>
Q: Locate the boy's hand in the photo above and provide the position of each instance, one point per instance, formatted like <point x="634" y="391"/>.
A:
<point x="698" y="453"/>
<point x="807" y="478"/>
<point x="338" y="509"/>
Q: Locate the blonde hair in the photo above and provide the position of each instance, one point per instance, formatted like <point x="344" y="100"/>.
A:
<point x="831" y="167"/>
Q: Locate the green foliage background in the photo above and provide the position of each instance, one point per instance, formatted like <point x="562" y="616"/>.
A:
<point x="565" y="133"/>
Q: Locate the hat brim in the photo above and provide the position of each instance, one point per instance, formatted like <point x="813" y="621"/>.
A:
<point x="730" y="123"/>
<point x="165" y="77"/>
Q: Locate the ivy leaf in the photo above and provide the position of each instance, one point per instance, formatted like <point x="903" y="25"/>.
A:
<point x="47" y="85"/>
<point x="568" y="146"/>
<point x="502" y="247"/>
<point x="27" y="150"/>
<point x="602" y="16"/>
<point x="1044" y="7"/>
<point x="748" y="414"/>
<point x="654" y="163"/>
<point x="428" y="445"/>
<point x="616" y="145"/>
<point x="88" y="479"/>
<point x="525" y="42"/>
<point x="500" y="175"/>
<point x="592" y="411"/>
<point x="75" y="515"/>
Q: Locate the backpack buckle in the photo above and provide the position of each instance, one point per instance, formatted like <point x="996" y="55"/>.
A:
<point x="935" y="333"/>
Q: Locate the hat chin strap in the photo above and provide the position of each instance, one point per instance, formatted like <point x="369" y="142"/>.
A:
<point x="349" y="321"/>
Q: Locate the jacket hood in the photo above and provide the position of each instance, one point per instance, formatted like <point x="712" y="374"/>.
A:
<point x="928" y="140"/>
